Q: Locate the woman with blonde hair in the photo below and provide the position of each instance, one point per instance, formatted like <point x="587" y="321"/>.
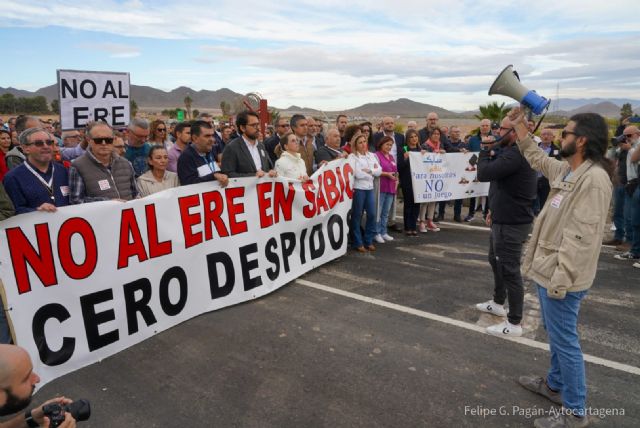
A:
<point x="366" y="166"/>
<point x="159" y="134"/>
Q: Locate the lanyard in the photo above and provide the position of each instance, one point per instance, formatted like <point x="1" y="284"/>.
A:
<point x="212" y="165"/>
<point x="48" y="185"/>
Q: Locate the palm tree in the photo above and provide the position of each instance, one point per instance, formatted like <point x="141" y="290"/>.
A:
<point x="133" y="108"/>
<point x="187" y="105"/>
<point x="493" y="111"/>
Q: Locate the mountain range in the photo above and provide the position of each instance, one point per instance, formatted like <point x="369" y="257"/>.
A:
<point x="154" y="99"/>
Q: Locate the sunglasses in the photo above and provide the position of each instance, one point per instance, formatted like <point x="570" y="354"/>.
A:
<point x="628" y="135"/>
<point x="41" y="143"/>
<point x="161" y="129"/>
<point x="103" y="140"/>
<point x="565" y="133"/>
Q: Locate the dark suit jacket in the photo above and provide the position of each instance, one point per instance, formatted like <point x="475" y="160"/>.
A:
<point x="423" y="135"/>
<point x="324" y="153"/>
<point x="237" y="161"/>
<point x="270" y="145"/>
<point x="399" y="138"/>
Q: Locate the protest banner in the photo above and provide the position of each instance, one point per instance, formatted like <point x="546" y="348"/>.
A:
<point x="91" y="280"/>
<point x="443" y="177"/>
<point x="87" y="96"/>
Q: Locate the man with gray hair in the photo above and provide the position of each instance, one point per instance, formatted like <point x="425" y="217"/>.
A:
<point x="331" y="150"/>
<point x="38" y="184"/>
<point x="138" y="147"/>
<point x="74" y="145"/>
<point x="412" y="124"/>
<point x="432" y="123"/>
<point x="99" y="175"/>
<point x="313" y="131"/>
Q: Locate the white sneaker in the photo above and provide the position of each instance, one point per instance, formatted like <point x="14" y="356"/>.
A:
<point x="505" y="328"/>
<point x="387" y="237"/>
<point x="636" y="265"/>
<point x="492" y="308"/>
<point x="422" y="228"/>
<point x="378" y="239"/>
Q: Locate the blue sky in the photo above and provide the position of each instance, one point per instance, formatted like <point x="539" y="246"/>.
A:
<point x="331" y="54"/>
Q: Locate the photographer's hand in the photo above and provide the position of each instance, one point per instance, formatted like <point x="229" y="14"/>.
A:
<point x="38" y="415"/>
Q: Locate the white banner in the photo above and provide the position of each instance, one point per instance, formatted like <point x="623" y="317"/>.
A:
<point x="437" y="177"/>
<point x="86" y="96"/>
<point x="91" y="280"/>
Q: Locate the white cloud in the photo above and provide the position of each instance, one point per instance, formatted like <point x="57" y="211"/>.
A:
<point x="114" y="49"/>
<point x="339" y="53"/>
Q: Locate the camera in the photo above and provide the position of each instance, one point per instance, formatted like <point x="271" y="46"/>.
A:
<point x="80" y="410"/>
<point x="617" y="140"/>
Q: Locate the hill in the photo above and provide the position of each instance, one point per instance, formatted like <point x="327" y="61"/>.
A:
<point x="146" y="96"/>
<point x="400" y="107"/>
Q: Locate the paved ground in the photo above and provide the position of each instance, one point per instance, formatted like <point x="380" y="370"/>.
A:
<point x="377" y="356"/>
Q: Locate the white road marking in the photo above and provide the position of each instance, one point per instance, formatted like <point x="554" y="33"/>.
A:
<point x="461" y="324"/>
<point x="458" y="225"/>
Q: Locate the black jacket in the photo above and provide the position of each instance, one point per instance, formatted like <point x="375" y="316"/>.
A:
<point x="237" y="161"/>
<point x="188" y="164"/>
<point x="514" y="184"/>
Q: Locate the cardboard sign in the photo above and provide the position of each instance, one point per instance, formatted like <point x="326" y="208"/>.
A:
<point x="87" y="96"/>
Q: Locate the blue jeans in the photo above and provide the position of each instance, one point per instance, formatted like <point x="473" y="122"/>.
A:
<point x="385" y="202"/>
<point x="363" y="201"/>
<point x="623" y="229"/>
<point x="635" y="222"/>
<point x="628" y="215"/>
<point x="566" y="374"/>
<point x="5" y="336"/>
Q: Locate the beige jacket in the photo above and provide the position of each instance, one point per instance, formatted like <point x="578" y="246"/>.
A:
<point x="563" y="251"/>
<point x="148" y="185"/>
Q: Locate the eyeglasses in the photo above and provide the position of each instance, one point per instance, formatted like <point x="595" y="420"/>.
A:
<point x="103" y="140"/>
<point x="41" y="143"/>
<point x="628" y="135"/>
<point x="565" y="133"/>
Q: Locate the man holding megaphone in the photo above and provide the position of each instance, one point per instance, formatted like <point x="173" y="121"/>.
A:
<point x="563" y="252"/>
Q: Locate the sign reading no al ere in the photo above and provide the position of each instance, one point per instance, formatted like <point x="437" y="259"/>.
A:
<point x="87" y="96"/>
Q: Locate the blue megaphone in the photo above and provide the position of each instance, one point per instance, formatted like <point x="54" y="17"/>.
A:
<point x="508" y="83"/>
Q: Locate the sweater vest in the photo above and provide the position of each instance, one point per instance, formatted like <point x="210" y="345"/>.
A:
<point x="118" y="177"/>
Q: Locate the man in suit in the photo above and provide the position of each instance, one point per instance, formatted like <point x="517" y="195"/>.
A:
<point x="300" y="127"/>
<point x="281" y="128"/>
<point x="388" y="126"/>
<point x="432" y="123"/>
<point x="245" y="156"/>
<point x="331" y="150"/>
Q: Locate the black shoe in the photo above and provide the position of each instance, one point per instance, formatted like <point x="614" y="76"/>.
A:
<point x="397" y="228"/>
<point x="457" y="219"/>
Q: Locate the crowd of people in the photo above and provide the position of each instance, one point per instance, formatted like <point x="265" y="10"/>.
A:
<point x="43" y="168"/>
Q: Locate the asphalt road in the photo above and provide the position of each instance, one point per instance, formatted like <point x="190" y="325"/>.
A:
<point x="387" y="339"/>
